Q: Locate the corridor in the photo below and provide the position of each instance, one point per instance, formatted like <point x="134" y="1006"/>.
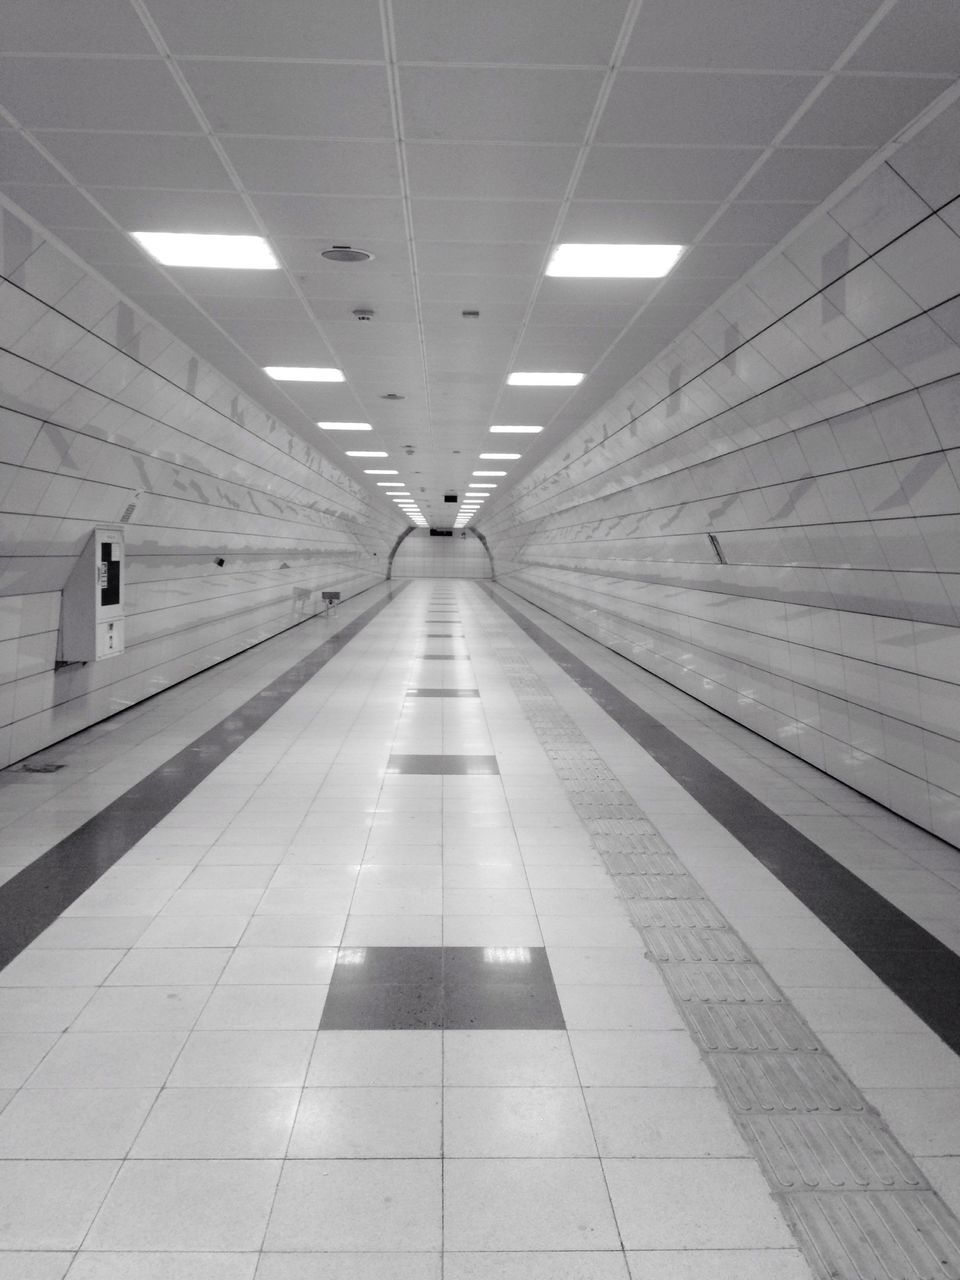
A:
<point x="416" y="942"/>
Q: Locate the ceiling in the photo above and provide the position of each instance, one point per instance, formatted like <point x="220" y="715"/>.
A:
<point x="457" y="142"/>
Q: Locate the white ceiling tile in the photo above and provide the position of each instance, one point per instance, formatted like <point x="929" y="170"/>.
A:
<point x="564" y="347"/>
<point x="747" y="222"/>
<point x="559" y="292"/>
<point x="50" y="26"/>
<point x="109" y="93"/>
<point x="355" y="166"/>
<point x="480" y="259"/>
<point x="796" y="173"/>
<point x="489" y="171"/>
<point x="448" y="312"/>
<point x="20" y="161"/>
<point x="475" y="291"/>
<point x="266" y="310"/>
<point x="721" y="109"/>
<point x="760" y="34"/>
<point x="916" y="35"/>
<point x="279" y="343"/>
<point x="56" y="206"/>
<point x="498" y="104"/>
<point x="389" y="311"/>
<point x="280" y="29"/>
<point x="663" y="173"/>
<point x="96" y="245"/>
<point x="209" y="282"/>
<point x="213" y="212"/>
<point x="503" y="31"/>
<point x="722" y="261"/>
<point x="863" y="110"/>
<point x="381" y="289"/>
<point x="139" y="160"/>
<point x="333" y="219"/>
<point x="293" y="99"/>
<point x="634" y="222"/>
<point x="500" y="221"/>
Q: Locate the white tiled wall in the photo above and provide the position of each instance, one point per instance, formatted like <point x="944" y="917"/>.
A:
<point x="810" y="422"/>
<point x="423" y="556"/>
<point x="106" y="418"/>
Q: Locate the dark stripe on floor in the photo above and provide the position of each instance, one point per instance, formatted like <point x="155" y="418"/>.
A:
<point x="38" y="894"/>
<point x="918" y="967"/>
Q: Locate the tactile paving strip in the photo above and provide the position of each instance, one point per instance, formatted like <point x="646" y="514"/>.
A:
<point x="859" y="1206"/>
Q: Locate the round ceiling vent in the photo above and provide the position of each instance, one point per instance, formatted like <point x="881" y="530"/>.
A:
<point x="393" y="395"/>
<point x="345" y="253"/>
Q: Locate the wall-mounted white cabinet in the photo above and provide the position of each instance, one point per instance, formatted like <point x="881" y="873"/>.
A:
<point x="91" y="620"/>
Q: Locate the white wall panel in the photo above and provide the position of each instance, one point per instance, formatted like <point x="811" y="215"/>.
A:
<point x="809" y="422"/>
<point x="106" y="418"/>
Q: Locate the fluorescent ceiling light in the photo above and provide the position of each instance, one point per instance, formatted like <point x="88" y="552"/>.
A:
<point x="482" y="484"/>
<point x="529" y="431"/>
<point x="633" y="261"/>
<point x="389" y="484"/>
<point x="184" y="249"/>
<point x="544" y="379"/>
<point x="345" y="426"/>
<point x="366" y="453"/>
<point x="287" y="373"/>
<point x="367" y="471"/>
<point x="498" y="457"/>
<point x="488" y="473"/>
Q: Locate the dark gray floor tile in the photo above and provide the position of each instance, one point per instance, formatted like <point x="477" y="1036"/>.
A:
<point x="443" y="693"/>
<point x="447" y="657"/>
<point x="442" y="764"/>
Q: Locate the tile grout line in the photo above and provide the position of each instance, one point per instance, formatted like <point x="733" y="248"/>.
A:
<point x="855" y="1201"/>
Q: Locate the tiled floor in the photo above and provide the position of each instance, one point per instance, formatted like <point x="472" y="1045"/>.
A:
<point x="373" y="999"/>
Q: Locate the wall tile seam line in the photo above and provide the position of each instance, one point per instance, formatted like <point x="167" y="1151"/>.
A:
<point x="729" y="596"/>
<point x="559" y="720"/>
<point x="140" y="452"/>
<point x="717" y="459"/>
<point x="211" y="408"/>
<point x="672" y="688"/>
<point x="580" y="565"/>
<point x="916" y="389"/>
<point x="530" y="478"/>
<point x="142" y="703"/>
<point x="84" y="876"/>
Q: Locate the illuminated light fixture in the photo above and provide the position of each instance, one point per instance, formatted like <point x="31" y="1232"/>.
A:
<point x="404" y="493"/>
<point x="544" y="379"/>
<point x="499" y="457"/>
<point x="345" y="426"/>
<point x="366" y="453"/>
<point x="482" y="484"/>
<point x="528" y="431"/>
<point x="624" y="261"/>
<point x="367" y="471"/>
<point x="289" y="373"/>
<point x="389" y="484"/>
<point x="184" y="249"/>
<point x="488" y="473"/>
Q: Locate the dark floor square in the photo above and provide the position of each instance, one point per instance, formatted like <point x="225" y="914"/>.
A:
<point x="457" y="988"/>
<point x="443" y="693"/>
<point x="401" y="763"/>
<point x="444" y="635"/>
<point x="446" y="657"/>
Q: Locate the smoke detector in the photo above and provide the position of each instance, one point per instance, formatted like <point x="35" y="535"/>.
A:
<point x="363" y="313"/>
<point x="393" y="395"/>
<point x="345" y="253"/>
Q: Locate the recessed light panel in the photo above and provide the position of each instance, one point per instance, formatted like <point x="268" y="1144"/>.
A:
<point x="498" y="457"/>
<point x="544" y="379"/>
<point x="345" y="426"/>
<point x="368" y="472"/>
<point x="517" y="431"/>
<point x="366" y="453"/>
<point x="389" y="484"/>
<point x="488" y="473"/>
<point x="625" y="261"/>
<point x="184" y="249"/>
<point x="482" y="484"/>
<point x="285" y="373"/>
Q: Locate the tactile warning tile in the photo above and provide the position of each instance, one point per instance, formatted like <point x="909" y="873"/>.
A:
<point x="752" y="1028"/>
<point x="859" y="1206"/>
<point x="784" y="1082"/>
<point x="830" y="1153"/>
<point x="876" y="1235"/>
<point x="732" y="983"/>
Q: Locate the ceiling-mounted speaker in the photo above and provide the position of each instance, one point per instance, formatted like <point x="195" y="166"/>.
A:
<point x="345" y="253"/>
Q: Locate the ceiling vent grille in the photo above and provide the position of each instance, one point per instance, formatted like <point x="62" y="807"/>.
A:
<point x="345" y="253"/>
